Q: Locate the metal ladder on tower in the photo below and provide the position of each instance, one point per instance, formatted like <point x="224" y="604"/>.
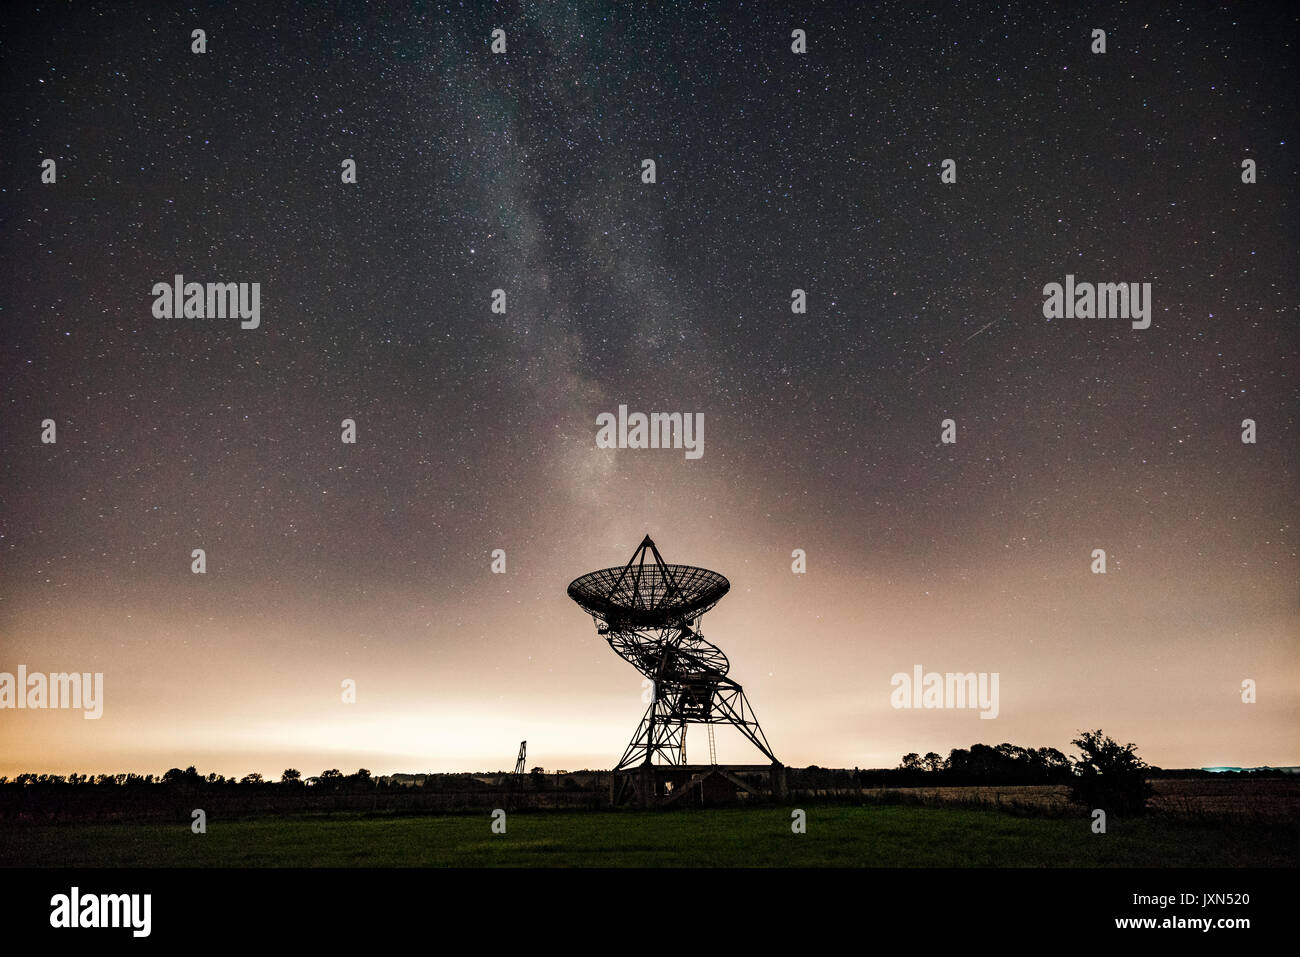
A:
<point x="713" y="748"/>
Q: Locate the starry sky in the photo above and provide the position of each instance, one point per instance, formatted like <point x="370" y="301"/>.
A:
<point x="476" y="431"/>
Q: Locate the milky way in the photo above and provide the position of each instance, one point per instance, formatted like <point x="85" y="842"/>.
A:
<point x="476" y="430"/>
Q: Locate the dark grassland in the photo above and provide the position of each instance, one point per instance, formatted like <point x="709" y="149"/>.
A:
<point x="837" y="836"/>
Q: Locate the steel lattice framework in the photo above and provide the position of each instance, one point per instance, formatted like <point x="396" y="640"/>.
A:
<point x="649" y="612"/>
<point x="515" y="783"/>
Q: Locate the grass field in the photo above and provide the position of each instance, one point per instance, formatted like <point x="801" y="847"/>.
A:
<point x="870" y="836"/>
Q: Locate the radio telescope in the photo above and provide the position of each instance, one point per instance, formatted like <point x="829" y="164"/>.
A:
<point x="649" y="612"/>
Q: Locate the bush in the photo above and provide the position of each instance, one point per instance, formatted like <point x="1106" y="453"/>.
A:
<point x="1109" y="776"/>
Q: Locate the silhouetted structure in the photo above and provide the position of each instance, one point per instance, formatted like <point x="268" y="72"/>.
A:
<point x="649" y="612"/>
<point x="515" y="783"/>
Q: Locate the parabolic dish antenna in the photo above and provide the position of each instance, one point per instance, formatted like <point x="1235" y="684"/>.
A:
<point x="649" y="612"/>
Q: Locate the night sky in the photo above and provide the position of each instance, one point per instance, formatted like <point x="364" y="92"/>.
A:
<point x="476" y="430"/>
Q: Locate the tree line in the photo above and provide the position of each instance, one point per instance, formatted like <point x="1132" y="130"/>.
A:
<point x="1105" y="774"/>
<point x="290" y="777"/>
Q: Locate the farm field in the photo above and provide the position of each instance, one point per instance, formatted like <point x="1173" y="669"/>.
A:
<point x="1184" y="798"/>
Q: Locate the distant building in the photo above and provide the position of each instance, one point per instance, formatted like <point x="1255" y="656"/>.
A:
<point x="1221" y="768"/>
